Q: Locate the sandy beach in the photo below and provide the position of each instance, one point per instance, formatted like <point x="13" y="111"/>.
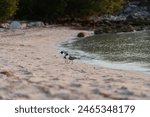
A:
<point x="32" y="68"/>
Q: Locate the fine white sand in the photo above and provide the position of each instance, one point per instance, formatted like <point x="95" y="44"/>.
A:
<point x="32" y="68"/>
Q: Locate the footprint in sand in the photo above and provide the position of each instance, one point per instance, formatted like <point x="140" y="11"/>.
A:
<point x="24" y="72"/>
<point x="147" y="84"/>
<point x="76" y="85"/>
<point x="95" y="91"/>
<point x="124" y="91"/>
<point x="109" y="80"/>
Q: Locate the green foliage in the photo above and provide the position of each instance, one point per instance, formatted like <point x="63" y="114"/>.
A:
<point x="92" y="7"/>
<point x="50" y="9"/>
<point x="80" y="8"/>
<point x="25" y="9"/>
<point x="40" y="9"/>
<point x="7" y="9"/>
<point x="110" y="6"/>
<point x="54" y="9"/>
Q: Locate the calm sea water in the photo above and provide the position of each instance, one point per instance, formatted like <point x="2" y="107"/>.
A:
<point x="129" y="51"/>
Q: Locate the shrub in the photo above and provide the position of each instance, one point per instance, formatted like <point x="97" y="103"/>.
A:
<point x="40" y="9"/>
<point x="7" y="9"/>
<point x="46" y="10"/>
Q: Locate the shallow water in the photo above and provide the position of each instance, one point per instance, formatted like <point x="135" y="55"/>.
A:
<point x="130" y="51"/>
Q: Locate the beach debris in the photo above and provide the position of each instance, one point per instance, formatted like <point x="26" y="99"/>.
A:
<point x="15" y="25"/>
<point x="7" y="73"/>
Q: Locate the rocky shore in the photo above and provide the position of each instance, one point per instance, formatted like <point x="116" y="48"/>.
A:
<point x="133" y="17"/>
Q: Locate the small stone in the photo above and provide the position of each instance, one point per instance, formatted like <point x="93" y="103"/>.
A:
<point x="81" y="34"/>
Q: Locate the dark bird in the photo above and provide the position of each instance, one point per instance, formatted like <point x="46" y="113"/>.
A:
<point x="64" y="53"/>
<point x="71" y="58"/>
<point x="68" y="57"/>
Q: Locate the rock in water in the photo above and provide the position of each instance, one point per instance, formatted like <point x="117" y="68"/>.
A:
<point x="81" y="34"/>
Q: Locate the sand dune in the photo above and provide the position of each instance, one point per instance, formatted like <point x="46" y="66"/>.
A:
<point x="32" y="68"/>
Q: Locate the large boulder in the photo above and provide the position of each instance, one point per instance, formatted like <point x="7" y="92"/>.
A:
<point x="15" y="25"/>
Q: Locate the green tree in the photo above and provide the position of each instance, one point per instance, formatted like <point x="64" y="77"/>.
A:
<point x="7" y="9"/>
<point x="109" y="6"/>
<point x="80" y="8"/>
<point x="50" y="9"/>
<point x="25" y="9"/>
<point x="47" y="10"/>
<point x="40" y="9"/>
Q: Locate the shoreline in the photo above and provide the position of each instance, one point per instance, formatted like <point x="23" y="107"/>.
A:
<point x="34" y="69"/>
<point x="134" y="67"/>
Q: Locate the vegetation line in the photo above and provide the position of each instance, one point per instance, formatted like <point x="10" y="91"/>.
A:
<point x="50" y="10"/>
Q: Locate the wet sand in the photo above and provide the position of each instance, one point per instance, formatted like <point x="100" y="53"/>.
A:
<point x="32" y="68"/>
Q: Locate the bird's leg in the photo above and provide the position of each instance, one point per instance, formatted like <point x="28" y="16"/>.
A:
<point x="65" y="61"/>
<point x="68" y="61"/>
